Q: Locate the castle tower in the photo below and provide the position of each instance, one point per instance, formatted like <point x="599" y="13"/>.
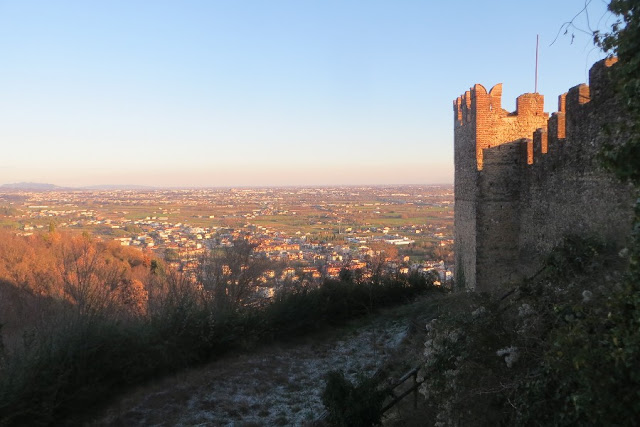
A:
<point x="488" y="148"/>
<point x="524" y="181"/>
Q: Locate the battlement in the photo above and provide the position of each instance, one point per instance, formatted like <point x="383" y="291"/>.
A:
<point x="477" y="102"/>
<point x="525" y="179"/>
<point x="573" y="106"/>
<point x="491" y="125"/>
<point x="477" y="99"/>
<point x="479" y="116"/>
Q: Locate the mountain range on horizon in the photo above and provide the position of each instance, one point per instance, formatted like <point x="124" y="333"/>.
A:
<point x="38" y="186"/>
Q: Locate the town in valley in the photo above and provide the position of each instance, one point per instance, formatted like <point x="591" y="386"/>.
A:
<point x="309" y="233"/>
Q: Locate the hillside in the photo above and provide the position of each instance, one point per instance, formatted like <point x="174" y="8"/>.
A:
<point x="493" y="358"/>
<point x="278" y="385"/>
<point x="83" y="321"/>
<point x="29" y="186"/>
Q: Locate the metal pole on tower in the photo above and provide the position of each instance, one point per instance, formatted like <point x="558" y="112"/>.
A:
<point x="537" y="41"/>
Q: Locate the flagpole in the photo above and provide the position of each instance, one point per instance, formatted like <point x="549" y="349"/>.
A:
<point x="537" y="41"/>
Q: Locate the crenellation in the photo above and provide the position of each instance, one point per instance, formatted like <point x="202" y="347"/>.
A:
<point x="528" y="146"/>
<point x="577" y="108"/>
<point x="540" y="143"/>
<point x="599" y="80"/>
<point x="457" y="111"/>
<point x="523" y="180"/>
<point x="530" y="104"/>
<point x="562" y="103"/>
<point x="557" y="126"/>
<point x="577" y="96"/>
<point x="496" y="97"/>
<point x="466" y="107"/>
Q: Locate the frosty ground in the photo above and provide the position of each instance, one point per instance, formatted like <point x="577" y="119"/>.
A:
<point x="277" y="385"/>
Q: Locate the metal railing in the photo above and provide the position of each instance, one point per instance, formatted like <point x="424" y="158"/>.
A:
<point x="413" y="373"/>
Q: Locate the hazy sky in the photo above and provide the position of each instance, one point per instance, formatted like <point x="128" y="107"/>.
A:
<point x="269" y="92"/>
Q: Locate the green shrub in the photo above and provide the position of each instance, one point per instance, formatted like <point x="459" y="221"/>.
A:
<point x="302" y="311"/>
<point x="352" y="405"/>
<point x="78" y="360"/>
<point x="562" y="349"/>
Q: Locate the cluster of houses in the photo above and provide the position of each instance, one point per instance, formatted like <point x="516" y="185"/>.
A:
<point x="298" y="257"/>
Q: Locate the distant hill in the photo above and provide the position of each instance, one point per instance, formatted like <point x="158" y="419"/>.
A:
<point x="37" y="186"/>
<point x="118" y="187"/>
<point x="29" y="186"/>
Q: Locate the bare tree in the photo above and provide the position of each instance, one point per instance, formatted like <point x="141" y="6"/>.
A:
<point x="229" y="275"/>
<point x="133" y="296"/>
<point x="87" y="279"/>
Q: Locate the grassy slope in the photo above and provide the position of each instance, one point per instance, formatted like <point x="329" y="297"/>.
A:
<point x="279" y="384"/>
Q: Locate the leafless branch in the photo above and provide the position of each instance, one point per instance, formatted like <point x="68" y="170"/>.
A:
<point x="590" y="31"/>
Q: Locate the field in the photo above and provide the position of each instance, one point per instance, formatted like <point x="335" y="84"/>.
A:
<point x="422" y="215"/>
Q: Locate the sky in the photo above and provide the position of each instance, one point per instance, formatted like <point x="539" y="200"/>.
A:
<point x="266" y="92"/>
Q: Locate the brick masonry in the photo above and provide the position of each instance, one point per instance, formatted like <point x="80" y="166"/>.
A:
<point x="524" y="180"/>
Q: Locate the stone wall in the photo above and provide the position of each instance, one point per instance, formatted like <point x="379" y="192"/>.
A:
<point x="524" y="180"/>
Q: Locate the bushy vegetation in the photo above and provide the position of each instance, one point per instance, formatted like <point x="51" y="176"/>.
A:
<point x="562" y="348"/>
<point x="306" y="309"/>
<point x="353" y="405"/>
<point x="109" y="322"/>
<point x="623" y="41"/>
<point x="544" y="353"/>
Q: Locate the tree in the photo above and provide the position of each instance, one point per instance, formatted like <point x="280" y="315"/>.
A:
<point x="133" y="296"/>
<point x="85" y="277"/>
<point x="624" y="42"/>
<point x="171" y="255"/>
<point x="382" y="252"/>
<point x="229" y="274"/>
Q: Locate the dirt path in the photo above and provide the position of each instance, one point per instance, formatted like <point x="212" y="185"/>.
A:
<point x="275" y="386"/>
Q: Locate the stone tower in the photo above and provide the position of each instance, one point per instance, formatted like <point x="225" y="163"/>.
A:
<point x="482" y="123"/>
<point x="524" y="180"/>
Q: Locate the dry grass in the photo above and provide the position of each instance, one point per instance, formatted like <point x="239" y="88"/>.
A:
<point x="280" y="385"/>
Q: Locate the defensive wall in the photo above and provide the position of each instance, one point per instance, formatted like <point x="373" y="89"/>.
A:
<point x="524" y="180"/>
